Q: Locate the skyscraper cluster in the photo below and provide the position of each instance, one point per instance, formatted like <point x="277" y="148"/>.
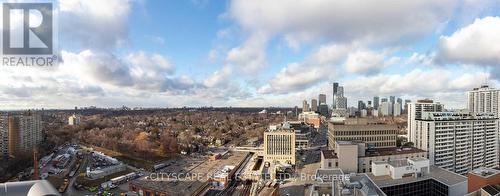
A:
<point x="391" y="106"/>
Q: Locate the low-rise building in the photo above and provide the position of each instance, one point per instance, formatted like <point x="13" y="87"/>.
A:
<point x="335" y="183"/>
<point x="311" y="118"/>
<point x="484" y="181"/>
<point x="372" y="132"/>
<point x="302" y="133"/>
<point x="415" y="176"/>
<point x="220" y="178"/>
<point x="355" y="157"/>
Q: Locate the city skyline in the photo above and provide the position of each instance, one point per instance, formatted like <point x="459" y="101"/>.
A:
<point x="205" y="53"/>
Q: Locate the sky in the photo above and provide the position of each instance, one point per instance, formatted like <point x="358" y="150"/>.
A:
<point x="240" y="53"/>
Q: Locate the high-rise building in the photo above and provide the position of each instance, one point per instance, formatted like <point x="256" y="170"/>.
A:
<point x="400" y="102"/>
<point x="19" y="132"/>
<point x="341" y="103"/>
<point x="335" y="89"/>
<point x="340" y="91"/>
<point x="323" y="110"/>
<point x="397" y="109"/>
<point x="392" y="99"/>
<point x="314" y="105"/>
<point x="361" y="105"/>
<point x="383" y="100"/>
<point x="375" y="102"/>
<point x="322" y="98"/>
<point x="458" y="142"/>
<point x="305" y="106"/>
<point x="279" y="145"/>
<point x="484" y="100"/>
<point x="4" y="136"/>
<point x="386" y="109"/>
<point x="407" y="101"/>
<point x="415" y="111"/>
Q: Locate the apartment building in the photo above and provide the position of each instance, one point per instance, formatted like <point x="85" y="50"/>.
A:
<point x="19" y="132"/>
<point x="375" y="134"/>
<point x="415" y="111"/>
<point x="483" y="100"/>
<point x="457" y="141"/>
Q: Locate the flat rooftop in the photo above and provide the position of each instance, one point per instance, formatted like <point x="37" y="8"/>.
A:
<point x="485" y="172"/>
<point x="170" y="187"/>
<point x="328" y="175"/>
<point x="398" y="163"/>
<point x="441" y="175"/>
<point x="391" y="151"/>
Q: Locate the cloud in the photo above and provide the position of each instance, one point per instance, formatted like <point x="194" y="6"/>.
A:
<point x="474" y="44"/>
<point x="251" y="56"/>
<point x="381" y="21"/>
<point x="219" y="77"/>
<point x="415" y="84"/>
<point x="364" y="62"/>
<point x="343" y="22"/>
<point x="95" y="24"/>
<point x="138" y="71"/>
<point x="297" y="76"/>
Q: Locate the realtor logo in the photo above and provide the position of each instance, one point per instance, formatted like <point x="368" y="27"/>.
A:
<point x="28" y="34"/>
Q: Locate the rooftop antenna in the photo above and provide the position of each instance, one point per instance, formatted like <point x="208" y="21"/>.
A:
<point x="486" y="77"/>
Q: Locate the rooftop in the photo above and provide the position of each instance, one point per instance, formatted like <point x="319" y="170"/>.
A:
<point x="444" y="176"/>
<point x="328" y="175"/>
<point x="398" y="163"/>
<point x="391" y="151"/>
<point x="329" y="154"/>
<point x="171" y="186"/>
<point x="485" y="172"/>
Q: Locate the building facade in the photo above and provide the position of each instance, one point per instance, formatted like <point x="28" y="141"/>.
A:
<point x="415" y="111"/>
<point x="373" y="133"/>
<point x="458" y="142"/>
<point x="314" y="105"/>
<point x="279" y="145"/>
<point x="19" y="132"/>
<point x="356" y="157"/>
<point x="483" y="100"/>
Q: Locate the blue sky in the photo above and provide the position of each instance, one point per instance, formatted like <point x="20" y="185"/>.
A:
<point x="151" y="53"/>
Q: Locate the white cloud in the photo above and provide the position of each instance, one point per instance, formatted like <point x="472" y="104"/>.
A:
<point x="296" y="76"/>
<point x="304" y="20"/>
<point x="439" y="84"/>
<point x="251" y="56"/>
<point x="95" y="24"/>
<point x="474" y="44"/>
<point x="219" y="78"/>
<point x="364" y="62"/>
